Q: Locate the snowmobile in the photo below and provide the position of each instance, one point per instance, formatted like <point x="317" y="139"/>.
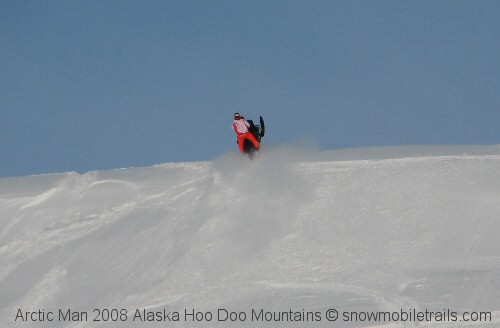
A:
<point x="258" y="132"/>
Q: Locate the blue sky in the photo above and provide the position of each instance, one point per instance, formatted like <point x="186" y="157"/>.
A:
<point x="92" y="85"/>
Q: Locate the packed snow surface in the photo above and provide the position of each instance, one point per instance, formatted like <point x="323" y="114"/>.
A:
<point x="280" y="240"/>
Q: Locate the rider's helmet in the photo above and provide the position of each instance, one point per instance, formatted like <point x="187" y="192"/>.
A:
<point x="237" y="116"/>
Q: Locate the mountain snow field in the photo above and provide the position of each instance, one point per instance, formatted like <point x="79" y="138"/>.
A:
<point x="378" y="237"/>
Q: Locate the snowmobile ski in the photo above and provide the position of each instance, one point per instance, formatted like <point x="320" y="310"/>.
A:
<point x="262" y="127"/>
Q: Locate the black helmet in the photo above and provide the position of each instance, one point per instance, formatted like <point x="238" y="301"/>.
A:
<point x="237" y="116"/>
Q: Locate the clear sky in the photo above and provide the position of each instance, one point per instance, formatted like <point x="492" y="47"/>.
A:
<point x="92" y="85"/>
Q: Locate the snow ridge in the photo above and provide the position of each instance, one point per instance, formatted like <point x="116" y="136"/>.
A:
<point x="294" y="229"/>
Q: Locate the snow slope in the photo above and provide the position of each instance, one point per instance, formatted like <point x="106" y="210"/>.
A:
<point x="367" y="230"/>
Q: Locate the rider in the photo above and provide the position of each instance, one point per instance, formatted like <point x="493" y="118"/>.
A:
<point x="241" y="126"/>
